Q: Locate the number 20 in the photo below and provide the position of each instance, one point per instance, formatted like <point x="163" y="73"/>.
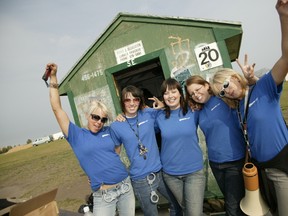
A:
<point x="211" y="55"/>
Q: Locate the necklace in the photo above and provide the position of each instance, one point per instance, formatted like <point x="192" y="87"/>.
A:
<point x="142" y="149"/>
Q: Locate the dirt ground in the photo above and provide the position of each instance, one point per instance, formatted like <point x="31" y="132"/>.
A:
<point x="76" y="192"/>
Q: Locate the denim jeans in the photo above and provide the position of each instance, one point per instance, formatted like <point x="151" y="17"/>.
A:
<point x="229" y="178"/>
<point x="120" y="197"/>
<point x="188" y="190"/>
<point x="143" y="190"/>
<point x="280" y="182"/>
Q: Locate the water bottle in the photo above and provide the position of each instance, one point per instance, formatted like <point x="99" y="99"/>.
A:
<point x="87" y="211"/>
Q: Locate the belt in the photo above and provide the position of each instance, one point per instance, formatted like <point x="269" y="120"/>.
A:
<point x="115" y="190"/>
<point x="105" y="187"/>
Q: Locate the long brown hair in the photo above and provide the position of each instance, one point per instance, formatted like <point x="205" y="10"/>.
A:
<point x="169" y="84"/>
<point x="196" y="79"/>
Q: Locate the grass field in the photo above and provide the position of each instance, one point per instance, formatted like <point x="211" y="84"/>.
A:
<point x="30" y="172"/>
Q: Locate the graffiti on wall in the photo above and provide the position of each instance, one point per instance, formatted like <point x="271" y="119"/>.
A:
<point x="187" y="60"/>
<point x="183" y="60"/>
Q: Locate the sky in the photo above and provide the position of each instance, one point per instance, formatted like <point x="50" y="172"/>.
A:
<point x="35" y="32"/>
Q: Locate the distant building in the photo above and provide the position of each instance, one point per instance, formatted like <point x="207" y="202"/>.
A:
<point x="144" y="50"/>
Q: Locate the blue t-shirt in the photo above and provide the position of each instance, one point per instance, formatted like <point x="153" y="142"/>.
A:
<point x="266" y="128"/>
<point x="180" y="150"/>
<point x="96" y="155"/>
<point x="126" y="133"/>
<point x="223" y="134"/>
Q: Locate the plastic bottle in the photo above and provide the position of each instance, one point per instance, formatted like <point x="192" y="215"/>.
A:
<point x="87" y="211"/>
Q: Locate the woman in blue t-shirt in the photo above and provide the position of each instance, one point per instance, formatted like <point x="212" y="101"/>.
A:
<point x="224" y="140"/>
<point x="181" y="155"/>
<point x="97" y="156"/>
<point x="136" y="132"/>
<point x="260" y="108"/>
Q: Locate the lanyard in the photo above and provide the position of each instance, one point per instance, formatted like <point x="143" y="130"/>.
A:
<point x="142" y="149"/>
<point x="243" y="121"/>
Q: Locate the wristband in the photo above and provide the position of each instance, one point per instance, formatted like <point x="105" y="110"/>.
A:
<point x="53" y="85"/>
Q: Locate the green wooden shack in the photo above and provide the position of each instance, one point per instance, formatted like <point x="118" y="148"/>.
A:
<point x="143" y="50"/>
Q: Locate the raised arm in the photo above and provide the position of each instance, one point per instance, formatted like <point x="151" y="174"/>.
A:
<point x="60" y="114"/>
<point x="248" y="70"/>
<point x="280" y="69"/>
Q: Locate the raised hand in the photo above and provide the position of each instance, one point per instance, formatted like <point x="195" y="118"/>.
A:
<point x="157" y="104"/>
<point x="248" y="70"/>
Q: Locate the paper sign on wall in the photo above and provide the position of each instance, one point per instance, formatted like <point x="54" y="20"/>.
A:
<point x="129" y="52"/>
<point x="208" y="56"/>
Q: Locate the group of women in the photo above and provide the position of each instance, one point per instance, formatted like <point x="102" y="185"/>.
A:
<point x="177" y="170"/>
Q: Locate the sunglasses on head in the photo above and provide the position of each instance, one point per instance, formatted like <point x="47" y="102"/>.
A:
<point x="129" y="100"/>
<point x="225" y="85"/>
<point x="97" y="118"/>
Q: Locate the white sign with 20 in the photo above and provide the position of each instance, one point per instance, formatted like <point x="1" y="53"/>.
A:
<point x="208" y="56"/>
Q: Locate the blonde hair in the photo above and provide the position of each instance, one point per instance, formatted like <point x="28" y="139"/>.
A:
<point x="219" y="78"/>
<point x="97" y="105"/>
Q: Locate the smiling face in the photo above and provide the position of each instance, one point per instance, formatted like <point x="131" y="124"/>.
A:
<point x="172" y="93"/>
<point x="230" y="88"/>
<point x="198" y="92"/>
<point x="131" y="104"/>
<point x="172" y="98"/>
<point x="132" y="100"/>
<point x="229" y="84"/>
<point x="95" y="125"/>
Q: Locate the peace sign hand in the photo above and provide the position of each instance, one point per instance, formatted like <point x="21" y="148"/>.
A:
<point x="248" y="70"/>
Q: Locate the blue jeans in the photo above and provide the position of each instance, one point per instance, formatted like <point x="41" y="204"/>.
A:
<point x="280" y="183"/>
<point x="229" y="178"/>
<point x="120" y="197"/>
<point x="188" y="190"/>
<point x="143" y="190"/>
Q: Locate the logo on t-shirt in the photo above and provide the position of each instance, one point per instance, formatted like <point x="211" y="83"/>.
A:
<point x="143" y="122"/>
<point x="251" y="104"/>
<point x="215" y="106"/>
<point x="183" y="119"/>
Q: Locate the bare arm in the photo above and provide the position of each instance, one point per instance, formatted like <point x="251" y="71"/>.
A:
<point x="60" y="114"/>
<point x="280" y="69"/>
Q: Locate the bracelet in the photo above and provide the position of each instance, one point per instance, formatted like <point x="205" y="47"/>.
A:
<point x="53" y="85"/>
